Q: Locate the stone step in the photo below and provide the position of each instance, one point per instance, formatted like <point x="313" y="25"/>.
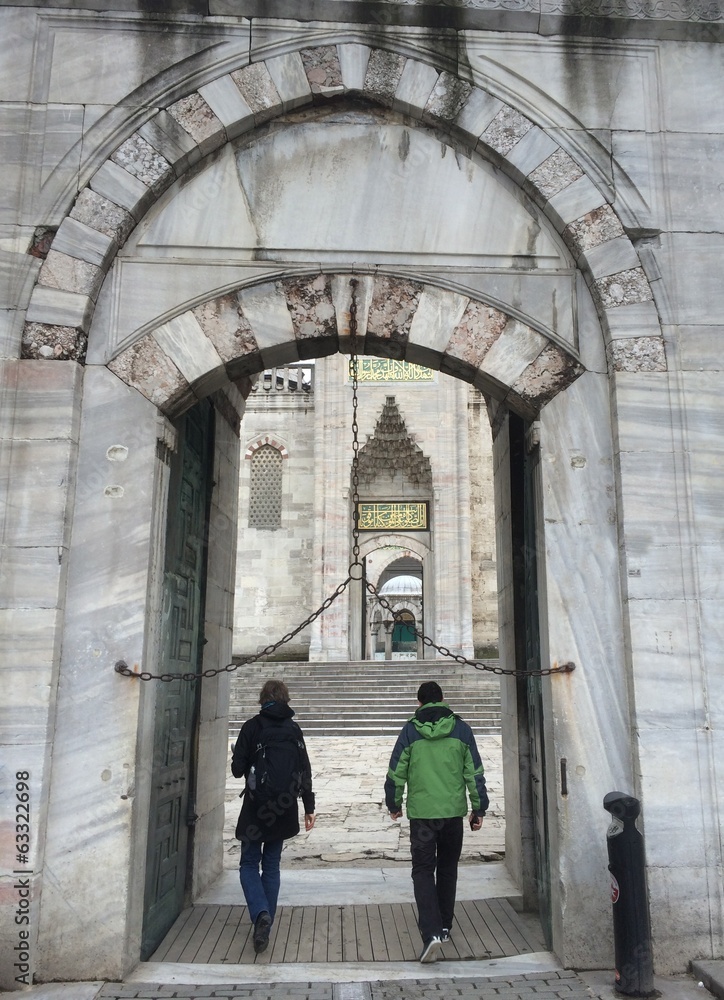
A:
<point x="369" y="697"/>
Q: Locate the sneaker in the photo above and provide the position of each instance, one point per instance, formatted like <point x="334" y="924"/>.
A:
<point x="261" y="932"/>
<point x="431" y="950"/>
<point x="445" y="936"/>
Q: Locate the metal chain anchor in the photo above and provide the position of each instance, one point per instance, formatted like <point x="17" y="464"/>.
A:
<point x="121" y="667"/>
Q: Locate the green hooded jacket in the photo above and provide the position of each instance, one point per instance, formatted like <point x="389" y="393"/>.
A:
<point x="437" y="758"/>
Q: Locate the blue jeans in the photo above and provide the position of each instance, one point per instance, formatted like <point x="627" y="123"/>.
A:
<point x="261" y="889"/>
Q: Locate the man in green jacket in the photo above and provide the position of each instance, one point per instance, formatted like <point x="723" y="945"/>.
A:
<point x="437" y="758"/>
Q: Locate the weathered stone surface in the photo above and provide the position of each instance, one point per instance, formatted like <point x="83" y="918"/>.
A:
<point x="194" y="115"/>
<point x="478" y="112"/>
<point x="353" y="60"/>
<point x="384" y="70"/>
<point x="78" y="240"/>
<point x="170" y="140"/>
<point x="311" y="307"/>
<point x="257" y="88"/>
<point x="61" y="271"/>
<point x="99" y="213"/>
<point x="393" y="306"/>
<point x="290" y="80"/>
<point x="59" y="307"/>
<point x="118" y="186"/>
<point x="43" y="341"/>
<point x="139" y="158"/>
<point x="625" y="287"/>
<point x="592" y="229"/>
<point x="146" y="367"/>
<point x="415" y="87"/>
<point x="227" y="328"/>
<point x="448" y="97"/>
<point x="546" y="376"/>
<point x="638" y="354"/>
<point x="555" y="173"/>
<point x="225" y="100"/>
<point x="324" y="73"/>
<point x="479" y="328"/>
<point x="505" y="130"/>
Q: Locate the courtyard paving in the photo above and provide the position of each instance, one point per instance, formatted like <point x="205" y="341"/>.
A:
<point x="353" y="826"/>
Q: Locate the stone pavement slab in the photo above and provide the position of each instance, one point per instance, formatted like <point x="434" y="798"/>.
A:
<point x="337" y="886"/>
<point x="427" y="984"/>
<point x="353" y="825"/>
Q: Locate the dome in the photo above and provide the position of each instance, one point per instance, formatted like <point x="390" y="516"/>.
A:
<point x="402" y="585"/>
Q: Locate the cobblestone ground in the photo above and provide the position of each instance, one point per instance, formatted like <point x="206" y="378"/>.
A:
<point x="546" y="986"/>
<point x="352" y="822"/>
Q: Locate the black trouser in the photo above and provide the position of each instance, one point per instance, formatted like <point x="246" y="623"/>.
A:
<point x="435" y="846"/>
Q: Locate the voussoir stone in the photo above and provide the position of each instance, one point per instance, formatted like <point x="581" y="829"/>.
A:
<point x="623" y="288"/>
<point x="638" y="354"/>
<point x="45" y="341"/>
<point x="555" y="173"/>
<point x="384" y="70"/>
<point x="321" y="64"/>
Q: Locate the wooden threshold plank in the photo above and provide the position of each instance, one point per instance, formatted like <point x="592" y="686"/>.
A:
<point x="350" y="949"/>
<point x="188" y="952"/>
<point x="413" y="931"/>
<point x="306" y="933"/>
<point x="482" y="941"/>
<point x="244" y="930"/>
<point x="389" y="928"/>
<point x="334" y="934"/>
<point x="377" y="935"/>
<point x="176" y="928"/>
<point x="529" y="926"/>
<point x="408" y="946"/>
<point x="494" y="925"/>
<point x="362" y="930"/>
<point x="320" y="942"/>
<point x="282" y="920"/>
<point x="507" y="920"/>
<point x="203" y="955"/>
<point x="295" y="927"/>
<point x="185" y="934"/>
<point x="227" y="936"/>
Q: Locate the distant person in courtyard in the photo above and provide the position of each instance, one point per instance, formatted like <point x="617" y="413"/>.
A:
<point x="437" y="758"/>
<point x="270" y="754"/>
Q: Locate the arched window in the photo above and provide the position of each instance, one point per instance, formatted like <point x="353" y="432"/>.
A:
<point x="265" y="489"/>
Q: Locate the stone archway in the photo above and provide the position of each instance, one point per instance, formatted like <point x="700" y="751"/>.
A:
<point x="180" y="135"/>
<point x="211" y="345"/>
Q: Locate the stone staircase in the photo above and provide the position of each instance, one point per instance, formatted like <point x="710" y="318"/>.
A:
<point x="368" y="698"/>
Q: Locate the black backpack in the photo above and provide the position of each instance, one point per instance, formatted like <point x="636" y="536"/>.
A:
<point x="276" y="774"/>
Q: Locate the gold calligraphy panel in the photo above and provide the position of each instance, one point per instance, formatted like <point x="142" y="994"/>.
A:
<point x="390" y="370"/>
<point x="392" y="516"/>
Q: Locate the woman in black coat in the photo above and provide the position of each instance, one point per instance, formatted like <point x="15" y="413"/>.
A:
<point x="266" y="822"/>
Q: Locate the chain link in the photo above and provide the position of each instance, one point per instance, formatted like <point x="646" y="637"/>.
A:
<point x="122" y="667"/>
<point x="563" y="668"/>
<point x="354" y="370"/>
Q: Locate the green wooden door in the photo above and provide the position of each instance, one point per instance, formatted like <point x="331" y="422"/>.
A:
<point x="172" y="796"/>
<point x="525" y="498"/>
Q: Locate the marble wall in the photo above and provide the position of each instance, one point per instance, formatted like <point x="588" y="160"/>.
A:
<point x="604" y="153"/>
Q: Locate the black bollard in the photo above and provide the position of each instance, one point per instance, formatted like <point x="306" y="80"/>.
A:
<point x="629" y="898"/>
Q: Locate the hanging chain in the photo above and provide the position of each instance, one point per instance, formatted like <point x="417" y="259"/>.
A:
<point x="354" y="371"/>
<point x="122" y="667"/>
<point x="563" y="668"/>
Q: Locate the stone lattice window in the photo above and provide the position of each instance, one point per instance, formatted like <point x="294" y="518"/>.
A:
<point x="265" y="489"/>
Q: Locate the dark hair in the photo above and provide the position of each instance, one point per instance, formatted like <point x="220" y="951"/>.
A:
<point x="429" y="691"/>
<point x="274" y="690"/>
